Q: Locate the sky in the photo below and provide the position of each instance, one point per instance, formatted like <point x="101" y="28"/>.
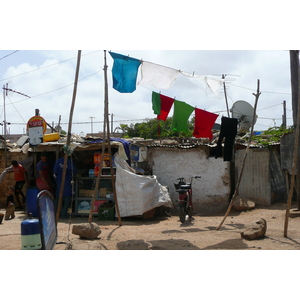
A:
<point x="47" y="77"/>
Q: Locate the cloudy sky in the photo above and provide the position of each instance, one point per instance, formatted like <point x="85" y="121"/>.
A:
<point x="47" y="77"/>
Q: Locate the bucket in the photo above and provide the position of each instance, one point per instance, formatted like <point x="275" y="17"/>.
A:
<point x="1" y="218"/>
<point x="31" y="201"/>
<point x="30" y="234"/>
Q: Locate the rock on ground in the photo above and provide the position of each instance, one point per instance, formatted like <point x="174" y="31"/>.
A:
<point x="254" y="230"/>
<point x="87" y="230"/>
<point x="241" y="204"/>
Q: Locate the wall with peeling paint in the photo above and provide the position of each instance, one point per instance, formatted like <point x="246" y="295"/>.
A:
<point x="210" y="193"/>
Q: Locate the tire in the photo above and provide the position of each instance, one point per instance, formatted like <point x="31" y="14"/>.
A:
<point x="182" y="212"/>
<point x="189" y="212"/>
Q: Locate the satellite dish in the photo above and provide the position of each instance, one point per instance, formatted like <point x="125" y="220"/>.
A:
<point x="58" y="128"/>
<point x="244" y="112"/>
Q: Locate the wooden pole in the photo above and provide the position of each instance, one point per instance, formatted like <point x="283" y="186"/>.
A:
<point x="108" y="139"/>
<point x="244" y="159"/>
<point x="68" y="138"/>
<point x="106" y="129"/>
<point x="296" y="107"/>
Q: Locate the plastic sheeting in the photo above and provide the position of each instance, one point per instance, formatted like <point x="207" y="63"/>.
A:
<point x="138" y="194"/>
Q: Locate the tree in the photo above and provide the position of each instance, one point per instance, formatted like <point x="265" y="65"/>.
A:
<point x="149" y="129"/>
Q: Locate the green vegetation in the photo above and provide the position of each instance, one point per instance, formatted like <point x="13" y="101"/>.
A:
<point x="272" y="135"/>
<point x="149" y="129"/>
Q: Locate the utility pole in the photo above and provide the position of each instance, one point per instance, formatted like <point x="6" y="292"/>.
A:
<point x="5" y="123"/>
<point x="295" y="82"/>
<point x="224" y="86"/>
<point x="284" y="115"/>
<point x="92" y="125"/>
<point x="112" y="124"/>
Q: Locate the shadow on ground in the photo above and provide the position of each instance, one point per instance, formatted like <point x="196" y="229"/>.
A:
<point x="172" y="244"/>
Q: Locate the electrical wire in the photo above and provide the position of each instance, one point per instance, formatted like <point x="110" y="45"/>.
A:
<point x="71" y="84"/>
<point x="63" y="61"/>
<point x="9" y="54"/>
<point x="261" y="91"/>
<point x="16" y="109"/>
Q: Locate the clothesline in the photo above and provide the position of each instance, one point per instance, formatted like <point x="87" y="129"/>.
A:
<point x="125" y="70"/>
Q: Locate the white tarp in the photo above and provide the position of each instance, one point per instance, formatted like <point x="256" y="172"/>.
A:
<point x="138" y="194"/>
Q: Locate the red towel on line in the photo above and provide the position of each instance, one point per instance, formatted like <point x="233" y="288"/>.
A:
<point x="204" y="121"/>
<point x="165" y="107"/>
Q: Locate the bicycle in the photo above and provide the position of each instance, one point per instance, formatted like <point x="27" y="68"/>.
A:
<point x="185" y="201"/>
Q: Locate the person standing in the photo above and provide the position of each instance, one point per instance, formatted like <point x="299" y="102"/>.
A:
<point x="43" y="174"/>
<point x="10" y="204"/>
<point x="68" y="187"/>
<point x="21" y="178"/>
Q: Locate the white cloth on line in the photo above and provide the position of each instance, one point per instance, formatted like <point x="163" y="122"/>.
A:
<point x="159" y="76"/>
<point x="211" y="85"/>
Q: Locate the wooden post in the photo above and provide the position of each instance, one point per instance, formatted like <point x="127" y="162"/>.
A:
<point x="68" y="138"/>
<point x="244" y="159"/>
<point x="295" y="80"/>
<point x="284" y="115"/>
<point x="106" y="119"/>
<point x="106" y="126"/>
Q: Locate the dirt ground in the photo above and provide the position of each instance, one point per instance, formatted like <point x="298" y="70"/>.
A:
<point x="167" y="233"/>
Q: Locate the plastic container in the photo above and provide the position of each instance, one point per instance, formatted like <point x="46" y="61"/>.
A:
<point x="96" y="170"/>
<point x="49" y="137"/>
<point x="31" y="201"/>
<point x="31" y="234"/>
<point x="97" y="158"/>
<point x="91" y="172"/>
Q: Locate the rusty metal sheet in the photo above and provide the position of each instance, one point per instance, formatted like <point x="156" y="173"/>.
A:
<point x="256" y="180"/>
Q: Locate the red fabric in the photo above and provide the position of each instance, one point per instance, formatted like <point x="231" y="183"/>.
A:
<point x="204" y="121"/>
<point x="19" y="173"/>
<point x="165" y="107"/>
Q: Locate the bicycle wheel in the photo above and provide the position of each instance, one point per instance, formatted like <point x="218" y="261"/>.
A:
<point x="182" y="212"/>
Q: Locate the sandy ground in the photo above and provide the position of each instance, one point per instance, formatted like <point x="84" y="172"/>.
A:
<point x="167" y="233"/>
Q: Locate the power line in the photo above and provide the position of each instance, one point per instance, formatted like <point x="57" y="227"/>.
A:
<point x="45" y="66"/>
<point x="9" y="54"/>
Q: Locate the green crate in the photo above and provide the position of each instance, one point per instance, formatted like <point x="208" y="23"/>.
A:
<point x="106" y="212"/>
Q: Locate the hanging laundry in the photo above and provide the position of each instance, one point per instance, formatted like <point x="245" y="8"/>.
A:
<point x="159" y="76"/>
<point x="204" y="121"/>
<point x="161" y="105"/>
<point x="156" y="103"/>
<point x="182" y="112"/>
<point x="124" y="72"/>
<point x="211" y="85"/>
<point x="229" y="131"/>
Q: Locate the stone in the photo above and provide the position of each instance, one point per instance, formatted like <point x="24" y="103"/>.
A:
<point x="241" y="204"/>
<point x="254" y="230"/>
<point x="87" y="230"/>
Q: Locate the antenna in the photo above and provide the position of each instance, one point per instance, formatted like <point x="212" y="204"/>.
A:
<point x="5" y="92"/>
<point x="226" y="80"/>
<point x="244" y="112"/>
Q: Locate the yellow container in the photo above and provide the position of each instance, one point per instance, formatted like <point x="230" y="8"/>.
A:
<point x="50" y="137"/>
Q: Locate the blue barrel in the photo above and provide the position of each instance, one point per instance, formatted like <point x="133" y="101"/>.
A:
<point x="31" y="201"/>
<point x="31" y="234"/>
